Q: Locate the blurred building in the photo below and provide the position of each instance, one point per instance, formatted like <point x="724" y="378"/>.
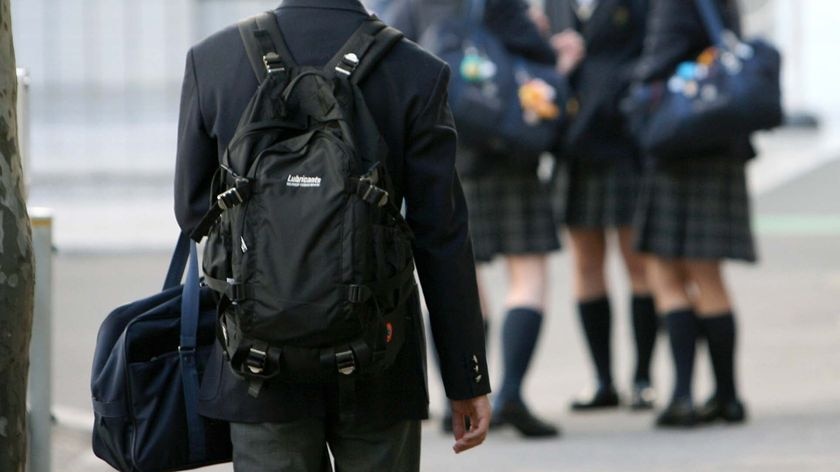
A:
<point x="106" y="73"/>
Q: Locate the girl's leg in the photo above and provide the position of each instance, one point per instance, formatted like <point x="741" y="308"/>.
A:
<point x="645" y="320"/>
<point x="717" y="325"/>
<point x="589" y="248"/>
<point x="668" y="279"/>
<point x="525" y="304"/>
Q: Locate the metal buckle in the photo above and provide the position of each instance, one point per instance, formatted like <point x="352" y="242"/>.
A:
<point x="380" y="198"/>
<point x="226" y="199"/>
<point x="345" y="361"/>
<point x="255" y="362"/>
<point x="272" y="63"/>
<point x="348" y="64"/>
<point x="373" y="194"/>
<point x="357" y="293"/>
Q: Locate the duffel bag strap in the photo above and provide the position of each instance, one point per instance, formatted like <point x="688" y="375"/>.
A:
<point x="187" y="353"/>
<point x="178" y="262"/>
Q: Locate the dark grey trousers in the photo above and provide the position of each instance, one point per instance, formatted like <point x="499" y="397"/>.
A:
<point x="305" y="446"/>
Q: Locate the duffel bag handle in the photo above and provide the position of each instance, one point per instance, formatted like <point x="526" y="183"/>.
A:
<point x="190" y="298"/>
<point x="712" y="19"/>
<point x="186" y="251"/>
<point x="475" y="12"/>
<point x="178" y="262"/>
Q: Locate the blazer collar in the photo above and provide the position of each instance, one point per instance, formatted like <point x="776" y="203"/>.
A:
<point x="351" y="5"/>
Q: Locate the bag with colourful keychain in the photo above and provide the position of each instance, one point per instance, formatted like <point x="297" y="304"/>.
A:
<point x="729" y="91"/>
<point x="501" y="102"/>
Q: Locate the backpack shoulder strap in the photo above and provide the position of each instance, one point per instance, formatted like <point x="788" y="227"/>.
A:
<point x="363" y="50"/>
<point x="264" y="44"/>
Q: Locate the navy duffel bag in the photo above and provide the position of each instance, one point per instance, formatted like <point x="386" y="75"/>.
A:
<point x="149" y="359"/>
<point x="732" y="90"/>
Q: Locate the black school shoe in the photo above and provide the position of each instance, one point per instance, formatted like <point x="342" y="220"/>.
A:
<point x="679" y="414"/>
<point x="730" y="411"/>
<point x="517" y="415"/>
<point x="605" y="397"/>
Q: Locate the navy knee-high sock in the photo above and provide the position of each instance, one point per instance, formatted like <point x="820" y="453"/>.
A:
<point x="645" y="329"/>
<point x="682" y="332"/>
<point x="519" y="338"/>
<point x="720" y="336"/>
<point x="596" y="319"/>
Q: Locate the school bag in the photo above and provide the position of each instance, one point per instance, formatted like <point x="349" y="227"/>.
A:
<point x="730" y="91"/>
<point x="149" y="360"/>
<point x="305" y="244"/>
<point x="502" y="102"/>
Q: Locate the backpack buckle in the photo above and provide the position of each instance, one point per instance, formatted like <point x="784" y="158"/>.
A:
<point x="229" y="199"/>
<point x="348" y="64"/>
<point x="235" y="195"/>
<point x="272" y="63"/>
<point x="375" y="195"/>
<point x="345" y="362"/>
<point x="358" y="293"/>
<point x="256" y="360"/>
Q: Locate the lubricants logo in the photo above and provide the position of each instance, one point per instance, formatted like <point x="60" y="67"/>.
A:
<point x="303" y="181"/>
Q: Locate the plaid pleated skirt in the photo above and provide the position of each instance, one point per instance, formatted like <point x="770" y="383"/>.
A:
<point x="510" y="214"/>
<point x="696" y="209"/>
<point x="596" y="195"/>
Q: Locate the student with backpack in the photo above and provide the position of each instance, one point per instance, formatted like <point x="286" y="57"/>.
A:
<point x="597" y="186"/>
<point x="302" y="131"/>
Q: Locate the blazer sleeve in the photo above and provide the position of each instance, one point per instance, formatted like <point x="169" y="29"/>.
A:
<point x="197" y="155"/>
<point x="437" y="213"/>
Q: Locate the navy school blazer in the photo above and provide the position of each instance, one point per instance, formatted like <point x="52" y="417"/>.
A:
<point x="613" y="35"/>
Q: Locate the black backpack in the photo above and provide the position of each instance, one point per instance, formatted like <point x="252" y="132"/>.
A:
<point x="305" y="244"/>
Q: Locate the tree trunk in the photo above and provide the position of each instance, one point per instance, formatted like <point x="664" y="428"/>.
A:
<point x="17" y="275"/>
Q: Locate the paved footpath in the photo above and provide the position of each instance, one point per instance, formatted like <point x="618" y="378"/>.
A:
<point x="789" y="361"/>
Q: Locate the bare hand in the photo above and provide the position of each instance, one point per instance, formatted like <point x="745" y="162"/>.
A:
<point x="571" y="49"/>
<point x="478" y="411"/>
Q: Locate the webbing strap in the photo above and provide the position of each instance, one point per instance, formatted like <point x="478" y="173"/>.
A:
<point x="363" y="50"/>
<point x="386" y="38"/>
<point x="711" y="16"/>
<point x="187" y="353"/>
<point x="178" y="262"/>
<point x="234" y="196"/>
<point x="261" y="36"/>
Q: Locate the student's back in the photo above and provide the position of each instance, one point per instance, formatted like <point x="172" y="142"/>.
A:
<point x="395" y="92"/>
<point x="406" y="95"/>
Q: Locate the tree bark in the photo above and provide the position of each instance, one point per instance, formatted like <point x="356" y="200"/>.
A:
<point x="17" y="274"/>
